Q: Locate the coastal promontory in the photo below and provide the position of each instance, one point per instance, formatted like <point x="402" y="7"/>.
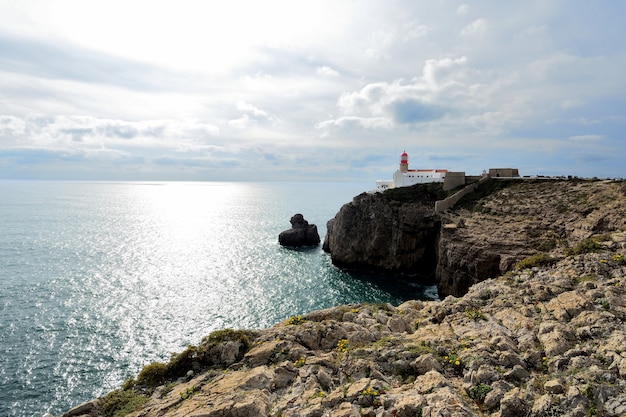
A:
<point x="537" y="330"/>
<point x="483" y="236"/>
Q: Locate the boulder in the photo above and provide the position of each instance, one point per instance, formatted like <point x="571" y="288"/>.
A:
<point x="301" y="233"/>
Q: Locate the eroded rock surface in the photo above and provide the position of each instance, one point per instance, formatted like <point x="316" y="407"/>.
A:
<point x="386" y="231"/>
<point x="507" y="221"/>
<point x="301" y="233"/>
<point x="542" y="341"/>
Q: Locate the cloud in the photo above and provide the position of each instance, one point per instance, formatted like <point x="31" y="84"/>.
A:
<point x="325" y="80"/>
<point x="476" y="28"/>
<point x="586" y="138"/>
<point x="57" y="59"/>
<point x="411" y="111"/>
<point x="463" y="9"/>
<point x="88" y="131"/>
<point x="326" y="71"/>
<point x="424" y="98"/>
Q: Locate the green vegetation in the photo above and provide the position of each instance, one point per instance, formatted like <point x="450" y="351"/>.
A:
<point x="152" y="375"/>
<point x="547" y="245"/>
<point x="189" y="392"/>
<point x="538" y="259"/>
<point x="119" y="403"/>
<point x="296" y="320"/>
<point x="157" y="373"/>
<point x="227" y="335"/>
<point x="421" y="349"/>
<point x="475" y="314"/>
<point x="586" y="246"/>
<point x="479" y="392"/>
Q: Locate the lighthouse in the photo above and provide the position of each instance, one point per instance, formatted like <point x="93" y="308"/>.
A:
<point x="405" y="177"/>
<point x="404" y="162"/>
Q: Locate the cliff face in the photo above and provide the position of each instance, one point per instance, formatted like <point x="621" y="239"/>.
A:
<point x="507" y="221"/>
<point x="390" y="232"/>
<point x="482" y="237"/>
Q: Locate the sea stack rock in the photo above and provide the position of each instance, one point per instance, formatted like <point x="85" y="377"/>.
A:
<point x="301" y="233"/>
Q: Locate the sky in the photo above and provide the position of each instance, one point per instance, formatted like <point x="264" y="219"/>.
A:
<point x="318" y="90"/>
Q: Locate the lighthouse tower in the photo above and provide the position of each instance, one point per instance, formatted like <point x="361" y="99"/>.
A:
<point x="404" y="162"/>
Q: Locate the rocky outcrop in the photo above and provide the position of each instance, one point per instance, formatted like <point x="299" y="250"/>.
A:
<point x="542" y="341"/>
<point x="301" y="233"/>
<point x="508" y="221"/>
<point x="392" y="231"/>
<point x="483" y="236"/>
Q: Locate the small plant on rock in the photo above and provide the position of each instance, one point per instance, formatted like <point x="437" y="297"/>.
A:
<point x="296" y="320"/>
<point x="371" y="396"/>
<point x="586" y="246"/>
<point x="118" y="403"/>
<point x="342" y="345"/>
<point x="538" y="259"/>
<point x="189" y="392"/>
<point x="455" y="361"/>
<point x="479" y="392"/>
<point x="300" y="363"/>
<point x="475" y="314"/>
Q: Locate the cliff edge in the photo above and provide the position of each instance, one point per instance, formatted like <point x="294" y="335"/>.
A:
<point x="483" y="236"/>
<point x="394" y="231"/>
<point x="545" y="340"/>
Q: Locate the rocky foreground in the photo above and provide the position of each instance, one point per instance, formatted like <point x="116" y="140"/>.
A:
<point x="545" y="340"/>
<point x="539" y="333"/>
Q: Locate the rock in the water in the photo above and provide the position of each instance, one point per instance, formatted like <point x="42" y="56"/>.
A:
<point x="301" y="233"/>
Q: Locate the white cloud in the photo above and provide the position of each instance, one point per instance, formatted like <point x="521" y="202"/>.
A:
<point x="249" y="108"/>
<point x="476" y="28"/>
<point x="333" y="77"/>
<point x="463" y="9"/>
<point x="326" y="71"/>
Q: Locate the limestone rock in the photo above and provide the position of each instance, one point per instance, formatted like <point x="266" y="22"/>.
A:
<point x="499" y="350"/>
<point x="301" y="233"/>
<point x="375" y="231"/>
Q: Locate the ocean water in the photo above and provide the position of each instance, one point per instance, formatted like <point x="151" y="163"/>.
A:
<point x="98" y="279"/>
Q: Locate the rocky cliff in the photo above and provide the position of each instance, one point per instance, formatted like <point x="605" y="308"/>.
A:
<point x="489" y="231"/>
<point x="482" y="237"/>
<point x="545" y="340"/>
<point x="394" y="231"/>
<point x="544" y="336"/>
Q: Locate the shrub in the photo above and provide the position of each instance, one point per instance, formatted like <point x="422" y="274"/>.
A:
<point x="547" y="245"/>
<point x="296" y="320"/>
<point x="475" y="314"/>
<point x="227" y="335"/>
<point x="119" y="403"/>
<point x="586" y="246"/>
<point x="534" y="260"/>
<point x="479" y="392"/>
<point x="152" y="375"/>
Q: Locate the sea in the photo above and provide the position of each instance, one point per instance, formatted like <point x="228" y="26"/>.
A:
<point x="98" y="279"/>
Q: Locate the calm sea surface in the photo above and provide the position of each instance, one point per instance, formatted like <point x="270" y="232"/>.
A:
<point x="98" y="279"/>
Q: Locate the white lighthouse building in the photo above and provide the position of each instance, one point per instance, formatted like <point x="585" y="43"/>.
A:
<point x="405" y="177"/>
